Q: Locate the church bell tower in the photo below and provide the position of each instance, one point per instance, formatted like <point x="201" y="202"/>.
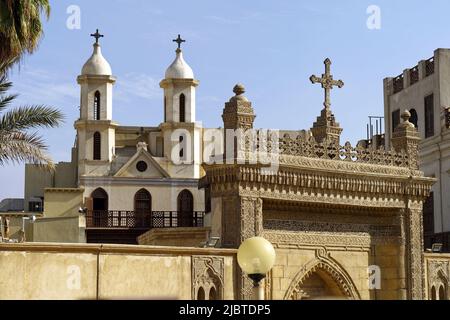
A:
<point x="181" y="132"/>
<point x="95" y="128"/>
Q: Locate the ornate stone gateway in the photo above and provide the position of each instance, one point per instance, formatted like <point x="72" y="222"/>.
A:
<point x="331" y="211"/>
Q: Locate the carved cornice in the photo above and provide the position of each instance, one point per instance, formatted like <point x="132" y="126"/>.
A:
<point x="355" y="188"/>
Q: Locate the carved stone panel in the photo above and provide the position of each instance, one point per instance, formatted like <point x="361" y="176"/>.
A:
<point x="208" y="276"/>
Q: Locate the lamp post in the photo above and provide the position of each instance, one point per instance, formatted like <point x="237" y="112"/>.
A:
<point x="256" y="256"/>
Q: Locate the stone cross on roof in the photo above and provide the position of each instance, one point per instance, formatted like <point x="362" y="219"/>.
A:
<point x="179" y="41"/>
<point x="327" y="83"/>
<point x="97" y="36"/>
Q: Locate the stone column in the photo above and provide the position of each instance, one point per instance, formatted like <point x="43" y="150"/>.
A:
<point x="406" y="138"/>
<point x="402" y="265"/>
<point x="414" y="250"/>
<point x="241" y="219"/>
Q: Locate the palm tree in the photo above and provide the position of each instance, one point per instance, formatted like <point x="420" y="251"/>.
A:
<point x="17" y="143"/>
<point x="21" y="27"/>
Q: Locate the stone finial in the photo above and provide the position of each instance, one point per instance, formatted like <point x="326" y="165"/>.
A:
<point x="239" y="89"/>
<point x="406" y="115"/>
<point x="238" y="112"/>
<point x="406" y="138"/>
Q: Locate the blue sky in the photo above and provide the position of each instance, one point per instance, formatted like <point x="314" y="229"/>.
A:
<point x="272" y="47"/>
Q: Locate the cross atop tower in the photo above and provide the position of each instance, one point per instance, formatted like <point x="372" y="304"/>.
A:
<point x="327" y="83"/>
<point x="179" y="41"/>
<point x="97" y="36"/>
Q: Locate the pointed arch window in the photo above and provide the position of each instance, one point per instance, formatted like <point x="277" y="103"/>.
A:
<point x="97" y="105"/>
<point x="182" y="108"/>
<point x="97" y="146"/>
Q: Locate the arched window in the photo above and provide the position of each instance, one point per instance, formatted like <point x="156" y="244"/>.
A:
<point x="142" y="208"/>
<point x="414" y="118"/>
<point x="182" y="108"/>
<point x="201" y="294"/>
<point x="212" y="294"/>
<point x="99" y="217"/>
<point x="97" y="146"/>
<point x="185" y="210"/>
<point x="165" y="109"/>
<point x="433" y="293"/>
<point x="442" y="293"/>
<point x="181" y="139"/>
<point x="97" y="105"/>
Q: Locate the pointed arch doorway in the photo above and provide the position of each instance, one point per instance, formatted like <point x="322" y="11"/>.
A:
<point x="142" y="209"/>
<point x="100" y="208"/>
<point x="322" y="279"/>
<point x="185" y="211"/>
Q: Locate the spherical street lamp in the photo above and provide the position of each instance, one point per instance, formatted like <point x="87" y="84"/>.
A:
<point x="256" y="256"/>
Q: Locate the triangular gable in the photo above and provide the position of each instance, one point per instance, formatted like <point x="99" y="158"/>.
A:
<point x="154" y="170"/>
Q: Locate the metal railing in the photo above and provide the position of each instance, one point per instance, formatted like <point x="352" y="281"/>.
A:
<point x="117" y="219"/>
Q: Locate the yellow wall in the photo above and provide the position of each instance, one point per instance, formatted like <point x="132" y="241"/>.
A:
<point x="62" y="271"/>
<point x="62" y="221"/>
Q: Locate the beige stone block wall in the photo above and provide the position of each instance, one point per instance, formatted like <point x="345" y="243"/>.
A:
<point x="41" y="275"/>
<point x="178" y="237"/>
<point x="387" y="257"/>
<point x="82" y="271"/>
<point x="144" y="277"/>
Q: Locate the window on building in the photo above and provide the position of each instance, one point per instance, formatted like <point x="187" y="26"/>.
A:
<point x="97" y="146"/>
<point x="165" y="109"/>
<point x="97" y="105"/>
<point x="182" y="108"/>
<point x="414" y="118"/>
<point x="395" y="119"/>
<point x="429" y="116"/>
<point x="35" y="206"/>
<point x="181" y="140"/>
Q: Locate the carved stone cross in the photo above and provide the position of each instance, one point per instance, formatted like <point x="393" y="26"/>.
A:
<point x="327" y="82"/>
<point x="97" y="36"/>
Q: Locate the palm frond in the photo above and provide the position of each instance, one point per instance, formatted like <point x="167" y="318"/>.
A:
<point x="20" y="26"/>
<point x="18" y="147"/>
<point x="29" y="117"/>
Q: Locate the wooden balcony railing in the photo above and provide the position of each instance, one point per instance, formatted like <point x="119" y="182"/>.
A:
<point x="133" y="220"/>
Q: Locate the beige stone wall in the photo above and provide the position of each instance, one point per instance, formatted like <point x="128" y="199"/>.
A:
<point x="44" y="271"/>
<point x="61" y="222"/>
<point x="179" y="237"/>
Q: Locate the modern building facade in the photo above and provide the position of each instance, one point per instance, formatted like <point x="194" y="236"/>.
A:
<point x="424" y="90"/>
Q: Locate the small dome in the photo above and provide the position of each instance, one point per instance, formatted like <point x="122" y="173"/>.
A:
<point x="97" y="64"/>
<point x="179" y="69"/>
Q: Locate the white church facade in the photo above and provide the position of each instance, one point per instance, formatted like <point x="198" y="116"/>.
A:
<point x="123" y="172"/>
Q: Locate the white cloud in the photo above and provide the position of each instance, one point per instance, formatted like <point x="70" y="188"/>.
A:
<point x="39" y="86"/>
<point x="137" y="85"/>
